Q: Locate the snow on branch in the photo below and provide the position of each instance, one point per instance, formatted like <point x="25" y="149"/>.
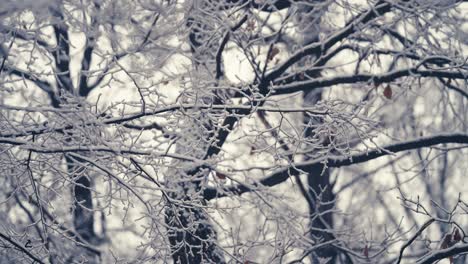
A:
<point x="437" y="255"/>
<point x="20" y="248"/>
<point x="282" y="175"/>
<point x="376" y="79"/>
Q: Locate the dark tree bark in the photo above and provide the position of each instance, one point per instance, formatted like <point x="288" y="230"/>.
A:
<point x="191" y="235"/>
<point x="321" y="196"/>
<point x="83" y="220"/>
<point x="319" y="188"/>
<point x="83" y="209"/>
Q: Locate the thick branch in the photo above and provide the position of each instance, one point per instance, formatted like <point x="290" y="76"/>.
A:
<point x="20" y="248"/>
<point x="68" y="233"/>
<point x="62" y="53"/>
<point x="352" y="26"/>
<point x="26" y="36"/>
<point x="282" y="175"/>
<point x="269" y="6"/>
<point x="83" y="88"/>
<point x="222" y="46"/>
<point x="316" y="48"/>
<point x="43" y="85"/>
<point x="444" y="253"/>
<point x="375" y="79"/>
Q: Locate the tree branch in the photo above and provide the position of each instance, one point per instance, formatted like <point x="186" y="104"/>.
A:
<point x="268" y="6"/>
<point x="411" y="240"/>
<point x="282" y="175"/>
<point x="316" y="48"/>
<point x="237" y="110"/>
<point x="356" y="78"/>
<point x="62" y="54"/>
<point x="116" y="57"/>
<point x="444" y="253"/>
<point x="20" y="34"/>
<point x="379" y="9"/>
<point x="83" y="88"/>
<point x="21" y="248"/>
<point x="26" y="145"/>
<point x="219" y="53"/>
<point x="43" y="85"/>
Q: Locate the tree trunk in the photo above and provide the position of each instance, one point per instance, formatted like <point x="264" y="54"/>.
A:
<point x="83" y="214"/>
<point x="321" y="196"/>
<point x="191" y="234"/>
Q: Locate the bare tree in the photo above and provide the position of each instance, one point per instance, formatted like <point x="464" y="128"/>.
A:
<point x="233" y="131"/>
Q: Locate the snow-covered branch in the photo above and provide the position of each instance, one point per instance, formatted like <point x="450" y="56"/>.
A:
<point x="437" y="255"/>
<point x="282" y="175"/>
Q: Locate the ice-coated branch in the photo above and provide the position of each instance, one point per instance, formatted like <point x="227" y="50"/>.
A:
<point x="315" y="48"/>
<point x="379" y="9"/>
<point x="26" y="36"/>
<point x="103" y="149"/>
<point x="43" y="85"/>
<point x="117" y="57"/>
<point x="375" y="79"/>
<point x="413" y="238"/>
<point x="231" y="109"/>
<point x="222" y="46"/>
<point x="265" y="6"/>
<point x="61" y="54"/>
<point x="20" y="248"/>
<point x="282" y="175"/>
<point x="83" y="88"/>
<point x="437" y="255"/>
